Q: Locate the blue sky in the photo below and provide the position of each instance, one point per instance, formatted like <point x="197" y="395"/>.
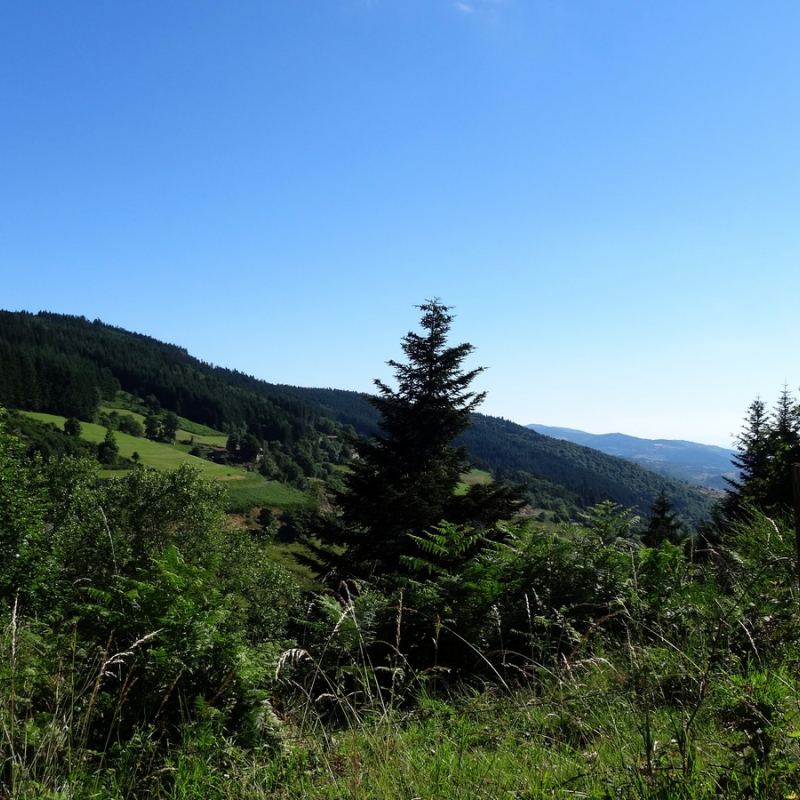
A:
<point x="608" y="191"/>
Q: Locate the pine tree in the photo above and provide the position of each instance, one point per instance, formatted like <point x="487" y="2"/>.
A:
<point x="752" y="459"/>
<point x="403" y="481"/>
<point x="766" y="448"/>
<point x="108" y="449"/>
<point x="784" y="445"/>
<point x="664" y="525"/>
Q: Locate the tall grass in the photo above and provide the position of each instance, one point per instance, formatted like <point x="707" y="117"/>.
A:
<point x="685" y="686"/>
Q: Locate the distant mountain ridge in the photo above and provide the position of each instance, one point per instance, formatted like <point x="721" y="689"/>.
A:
<point x="703" y="465"/>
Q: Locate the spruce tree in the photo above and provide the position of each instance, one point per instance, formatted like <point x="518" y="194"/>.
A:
<point x="766" y="448"/>
<point x="663" y="525"/>
<point x="403" y="481"/>
<point x="784" y="441"/>
<point x="752" y="459"/>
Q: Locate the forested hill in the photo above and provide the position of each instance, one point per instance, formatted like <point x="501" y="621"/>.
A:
<point x="698" y="464"/>
<point x="583" y="476"/>
<point x="561" y="476"/>
<point x="70" y="365"/>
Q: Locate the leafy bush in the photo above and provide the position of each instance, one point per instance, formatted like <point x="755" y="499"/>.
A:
<point x="130" y="610"/>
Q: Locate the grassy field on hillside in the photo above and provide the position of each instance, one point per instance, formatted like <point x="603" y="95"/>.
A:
<point x="214" y="440"/>
<point x="196" y="429"/>
<point x="472" y="477"/>
<point x="192" y="432"/>
<point x="153" y="454"/>
<point x="246" y="489"/>
<point x="254" y="491"/>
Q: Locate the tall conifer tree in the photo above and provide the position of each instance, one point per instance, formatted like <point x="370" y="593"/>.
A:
<point x="664" y="525"/>
<point x="403" y="481"/>
<point x="767" y="447"/>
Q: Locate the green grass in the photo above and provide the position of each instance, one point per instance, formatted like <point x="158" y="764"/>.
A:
<point x="200" y="434"/>
<point x="214" y="440"/>
<point x="471" y="478"/>
<point x="124" y="402"/>
<point x="477" y="476"/>
<point x="254" y="491"/>
<point x="153" y="454"/>
<point x="520" y="746"/>
<point x="107" y="408"/>
<point x="286" y="556"/>
<point x="246" y="489"/>
<point x="580" y="734"/>
<point x="196" y="429"/>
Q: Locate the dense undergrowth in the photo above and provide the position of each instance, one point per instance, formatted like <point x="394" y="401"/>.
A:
<point x="148" y="649"/>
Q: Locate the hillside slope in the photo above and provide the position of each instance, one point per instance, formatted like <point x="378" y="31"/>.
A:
<point x="561" y="476"/>
<point x="68" y="365"/>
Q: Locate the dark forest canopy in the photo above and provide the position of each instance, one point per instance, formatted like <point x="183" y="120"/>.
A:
<point x="68" y="365"/>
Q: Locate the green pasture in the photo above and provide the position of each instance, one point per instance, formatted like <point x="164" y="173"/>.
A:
<point x="198" y="434"/>
<point x="196" y="429"/>
<point x="246" y="490"/>
<point x="256" y="492"/>
<point x="470" y="478"/>
<point x="107" y="408"/>
<point x="214" y="440"/>
<point x="153" y="454"/>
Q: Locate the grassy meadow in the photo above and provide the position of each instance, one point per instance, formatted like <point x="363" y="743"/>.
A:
<point x="159" y="649"/>
<point x="471" y="478"/>
<point x="246" y="489"/>
<point x="254" y="491"/>
<point x="189" y="432"/>
<point x="157" y="455"/>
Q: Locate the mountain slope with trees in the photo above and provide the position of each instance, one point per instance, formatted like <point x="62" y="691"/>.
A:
<point x="561" y="477"/>
<point x="699" y="464"/>
<point x="69" y="365"/>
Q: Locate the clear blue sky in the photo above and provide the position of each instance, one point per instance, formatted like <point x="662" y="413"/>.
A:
<point x="608" y="191"/>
